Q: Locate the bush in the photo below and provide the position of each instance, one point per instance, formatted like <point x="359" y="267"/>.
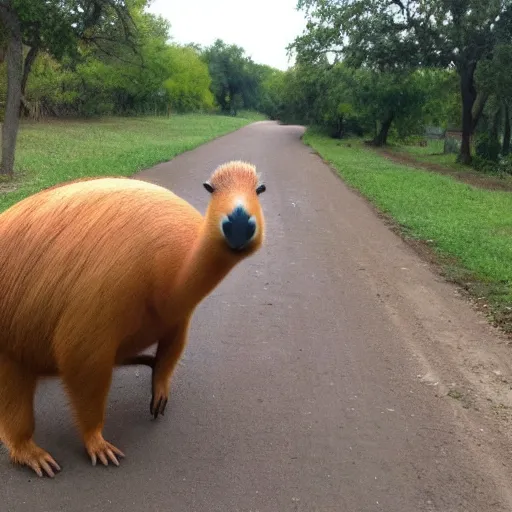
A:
<point x="505" y="164"/>
<point x="487" y="147"/>
<point x="483" y="165"/>
<point x="499" y="169"/>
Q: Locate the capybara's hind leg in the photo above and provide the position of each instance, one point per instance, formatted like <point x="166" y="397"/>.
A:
<point x="87" y="383"/>
<point x="17" y="388"/>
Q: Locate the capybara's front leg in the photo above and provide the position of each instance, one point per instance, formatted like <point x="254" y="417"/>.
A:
<point x="168" y="353"/>
<point x="17" y="388"/>
<point x="87" y="380"/>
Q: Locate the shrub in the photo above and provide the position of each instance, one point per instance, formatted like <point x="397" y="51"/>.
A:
<point x="505" y="164"/>
<point x="487" y="147"/>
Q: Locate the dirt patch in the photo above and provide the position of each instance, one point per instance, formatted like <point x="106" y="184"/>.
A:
<point x="6" y="188"/>
<point x="469" y="177"/>
<point x="8" y="184"/>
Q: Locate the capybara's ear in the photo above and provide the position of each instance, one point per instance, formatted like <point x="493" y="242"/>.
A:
<point x="207" y="185"/>
<point x="261" y="189"/>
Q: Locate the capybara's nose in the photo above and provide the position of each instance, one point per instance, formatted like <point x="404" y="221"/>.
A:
<point x="238" y="228"/>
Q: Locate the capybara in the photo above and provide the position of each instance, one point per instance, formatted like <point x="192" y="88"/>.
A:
<point x="96" y="271"/>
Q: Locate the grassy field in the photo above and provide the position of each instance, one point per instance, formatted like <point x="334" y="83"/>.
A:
<point x="56" y="151"/>
<point x="468" y="229"/>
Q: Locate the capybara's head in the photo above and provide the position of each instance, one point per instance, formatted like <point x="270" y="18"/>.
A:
<point x="234" y="214"/>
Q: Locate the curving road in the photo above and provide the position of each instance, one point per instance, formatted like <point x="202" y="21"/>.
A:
<point x="315" y="379"/>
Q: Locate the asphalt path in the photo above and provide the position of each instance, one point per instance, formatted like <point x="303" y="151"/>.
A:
<point x="317" y="376"/>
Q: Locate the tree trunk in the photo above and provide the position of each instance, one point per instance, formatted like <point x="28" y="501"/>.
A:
<point x="338" y="130"/>
<point x="506" y="131"/>
<point x="382" y="137"/>
<point x="3" y="41"/>
<point x="29" y="61"/>
<point x="468" y="93"/>
<point x="478" y="108"/>
<point x="14" y="77"/>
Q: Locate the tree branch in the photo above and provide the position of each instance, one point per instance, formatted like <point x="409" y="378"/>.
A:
<point x="29" y="61"/>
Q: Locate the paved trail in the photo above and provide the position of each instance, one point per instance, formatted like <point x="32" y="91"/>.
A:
<point x="316" y="376"/>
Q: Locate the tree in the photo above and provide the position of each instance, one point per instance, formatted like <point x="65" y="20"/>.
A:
<point x="494" y="77"/>
<point x="339" y="99"/>
<point x="329" y="101"/>
<point x="234" y="80"/>
<point x="442" y="105"/>
<point x="12" y="26"/>
<point x="300" y="93"/>
<point x="390" y="98"/>
<point x="188" y="88"/>
<point x="109" y="78"/>
<point x="388" y="35"/>
<point x="55" y="26"/>
<point x="270" y="89"/>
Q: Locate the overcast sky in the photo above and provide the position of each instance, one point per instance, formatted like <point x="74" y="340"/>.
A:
<point x="264" y="29"/>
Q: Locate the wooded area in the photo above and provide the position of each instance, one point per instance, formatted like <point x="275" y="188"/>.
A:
<point x="374" y="68"/>
<point x="405" y="64"/>
<point x="78" y="59"/>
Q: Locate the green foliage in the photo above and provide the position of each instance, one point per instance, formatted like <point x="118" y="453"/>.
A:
<point x="485" y="166"/>
<point x="342" y="100"/>
<point x="320" y="95"/>
<point x="494" y="75"/>
<point x="441" y="107"/>
<point x="188" y="88"/>
<point x="270" y="84"/>
<point x="234" y="76"/>
<point x="112" y="57"/>
<point x="299" y="95"/>
<point x="50" y="86"/>
<point x="57" y="26"/>
<point x="397" y="36"/>
<point x="403" y="34"/>
<point x="505" y="165"/>
<point x="399" y="96"/>
<point x="96" y="82"/>
<point x="160" y="78"/>
<point x="487" y="147"/>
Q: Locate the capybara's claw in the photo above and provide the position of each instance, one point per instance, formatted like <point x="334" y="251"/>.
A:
<point x="40" y="461"/>
<point x="159" y="408"/>
<point x="98" y="448"/>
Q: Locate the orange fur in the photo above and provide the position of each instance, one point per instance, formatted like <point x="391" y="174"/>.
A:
<point x="94" y="272"/>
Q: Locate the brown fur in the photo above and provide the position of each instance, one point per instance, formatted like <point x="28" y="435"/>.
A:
<point x="94" y="272"/>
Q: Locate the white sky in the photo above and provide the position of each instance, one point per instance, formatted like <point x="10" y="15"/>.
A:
<point x="263" y="27"/>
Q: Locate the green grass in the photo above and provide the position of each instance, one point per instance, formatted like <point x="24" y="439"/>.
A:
<point x="56" y="151"/>
<point x="471" y="228"/>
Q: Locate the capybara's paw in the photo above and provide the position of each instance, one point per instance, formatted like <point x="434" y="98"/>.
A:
<point x="36" y="458"/>
<point x="159" y="401"/>
<point x="98" y="448"/>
